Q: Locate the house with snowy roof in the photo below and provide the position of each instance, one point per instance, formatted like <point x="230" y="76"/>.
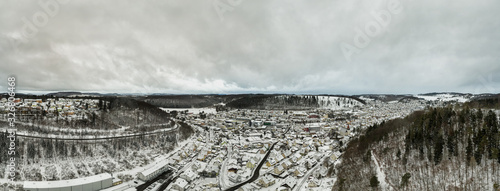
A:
<point x="189" y="175"/>
<point x="278" y="169"/>
<point x="180" y="184"/>
<point x="287" y="164"/>
<point x="299" y="171"/>
<point x="313" y="183"/>
<point x="266" y="181"/>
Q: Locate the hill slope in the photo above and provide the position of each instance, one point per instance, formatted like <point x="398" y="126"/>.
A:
<point x="439" y="149"/>
<point x="294" y="102"/>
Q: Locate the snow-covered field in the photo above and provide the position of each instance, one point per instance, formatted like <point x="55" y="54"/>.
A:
<point x="445" y="97"/>
<point x="335" y="103"/>
<point x="192" y="110"/>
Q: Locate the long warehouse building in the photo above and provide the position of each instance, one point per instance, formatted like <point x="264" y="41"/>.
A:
<point x="91" y="183"/>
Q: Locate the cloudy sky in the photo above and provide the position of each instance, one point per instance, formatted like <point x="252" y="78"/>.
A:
<point x="258" y="46"/>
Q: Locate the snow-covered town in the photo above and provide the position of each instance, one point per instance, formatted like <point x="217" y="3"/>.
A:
<point x="289" y="150"/>
<point x="230" y="149"/>
<point x="64" y="108"/>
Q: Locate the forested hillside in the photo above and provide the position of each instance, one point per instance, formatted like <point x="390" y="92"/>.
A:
<point x="294" y="102"/>
<point x="39" y="157"/>
<point x="117" y="135"/>
<point x="187" y="101"/>
<point x="438" y="149"/>
<point x="487" y="101"/>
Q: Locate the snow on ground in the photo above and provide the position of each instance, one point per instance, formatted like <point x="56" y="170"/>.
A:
<point x="444" y="97"/>
<point x="276" y="185"/>
<point x="102" y="135"/>
<point x="338" y="162"/>
<point x="192" y="110"/>
<point x="52" y="128"/>
<point x="134" y="171"/>
<point x="334" y="103"/>
<point x="73" y="168"/>
<point x="380" y="174"/>
<point x="366" y="98"/>
<point x="50" y="171"/>
<point x="328" y="183"/>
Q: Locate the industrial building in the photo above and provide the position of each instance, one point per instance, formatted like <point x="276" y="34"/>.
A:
<point x="153" y="170"/>
<point x="91" y="183"/>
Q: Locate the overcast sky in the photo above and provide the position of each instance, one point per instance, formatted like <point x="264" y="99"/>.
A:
<point x="257" y="46"/>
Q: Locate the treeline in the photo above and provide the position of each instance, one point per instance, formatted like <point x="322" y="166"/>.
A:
<point x="491" y="102"/>
<point x="249" y="101"/>
<point x="124" y="151"/>
<point x="5" y="145"/>
<point x="275" y="102"/>
<point x="128" y="103"/>
<point x="139" y="115"/>
<point x="443" y="128"/>
<point x="437" y="149"/>
<point x="374" y="134"/>
<point x="184" y="101"/>
<point x="36" y="149"/>
<point x="29" y="96"/>
<point x="185" y="131"/>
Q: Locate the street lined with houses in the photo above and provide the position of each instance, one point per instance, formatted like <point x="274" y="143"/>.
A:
<point x="302" y="146"/>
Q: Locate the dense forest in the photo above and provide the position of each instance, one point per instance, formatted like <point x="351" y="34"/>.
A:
<point x="249" y="101"/>
<point x="489" y="101"/>
<point x="451" y="148"/>
<point x="122" y="153"/>
<point x="288" y="102"/>
<point x="187" y="101"/>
